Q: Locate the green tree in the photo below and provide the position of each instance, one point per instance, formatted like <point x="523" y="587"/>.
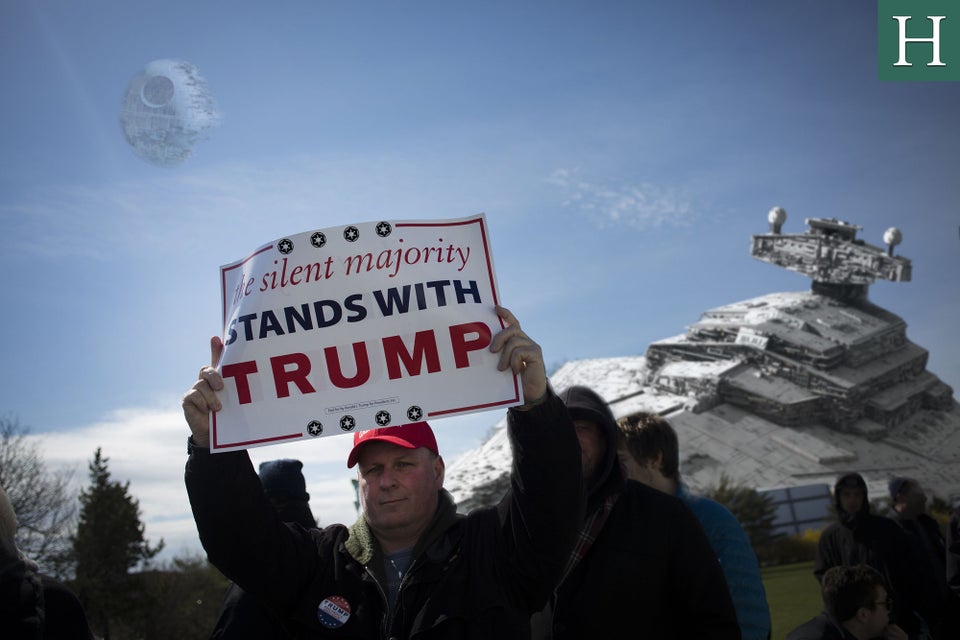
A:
<point x="755" y="512"/>
<point x="109" y="543"/>
<point x="45" y="505"/>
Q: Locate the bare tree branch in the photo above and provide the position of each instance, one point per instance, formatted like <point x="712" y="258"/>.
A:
<point x="45" y="505"/>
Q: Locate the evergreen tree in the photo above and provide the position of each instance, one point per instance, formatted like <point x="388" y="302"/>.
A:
<point x="109" y="543"/>
<point x="755" y="512"/>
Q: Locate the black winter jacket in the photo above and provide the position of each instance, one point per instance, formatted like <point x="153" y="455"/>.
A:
<point x="244" y="616"/>
<point x="651" y="568"/>
<point x="822" y="627"/>
<point x="953" y="551"/>
<point x="473" y="576"/>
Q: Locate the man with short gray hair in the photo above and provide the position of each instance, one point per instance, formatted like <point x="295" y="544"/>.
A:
<point x="909" y="510"/>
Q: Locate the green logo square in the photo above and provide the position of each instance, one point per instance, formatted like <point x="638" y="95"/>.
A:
<point x="918" y="40"/>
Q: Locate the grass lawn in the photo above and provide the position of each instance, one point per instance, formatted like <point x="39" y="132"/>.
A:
<point x="793" y="595"/>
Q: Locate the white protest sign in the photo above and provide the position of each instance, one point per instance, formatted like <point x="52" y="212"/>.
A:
<point x="356" y="327"/>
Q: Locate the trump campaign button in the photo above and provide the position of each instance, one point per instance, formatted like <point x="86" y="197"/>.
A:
<point x="333" y="612"/>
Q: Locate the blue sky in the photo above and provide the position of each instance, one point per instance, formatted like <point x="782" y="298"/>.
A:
<point x="623" y="152"/>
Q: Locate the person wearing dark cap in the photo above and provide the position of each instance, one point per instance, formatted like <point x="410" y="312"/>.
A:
<point x="286" y="488"/>
<point x="909" y="510"/>
<point x="862" y="537"/>
<point x="410" y="566"/>
<point x="243" y="615"/>
<point x="642" y="560"/>
<point x="855" y="607"/>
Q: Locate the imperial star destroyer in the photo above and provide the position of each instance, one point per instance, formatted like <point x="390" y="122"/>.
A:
<point x="784" y="392"/>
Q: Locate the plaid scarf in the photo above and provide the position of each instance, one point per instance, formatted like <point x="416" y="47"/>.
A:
<point x="589" y="532"/>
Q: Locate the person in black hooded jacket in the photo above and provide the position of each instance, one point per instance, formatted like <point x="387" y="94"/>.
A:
<point x="642" y="559"/>
<point x="861" y="537"/>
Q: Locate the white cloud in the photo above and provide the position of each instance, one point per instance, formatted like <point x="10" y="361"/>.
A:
<point x="147" y="447"/>
<point x="639" y="206"/>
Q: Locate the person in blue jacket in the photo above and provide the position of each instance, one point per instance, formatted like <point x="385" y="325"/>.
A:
<point x="650" y="453"/>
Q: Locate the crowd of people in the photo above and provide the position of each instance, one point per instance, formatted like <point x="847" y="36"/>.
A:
<point x="907" y="550"/>
<point x="597" y="534"/>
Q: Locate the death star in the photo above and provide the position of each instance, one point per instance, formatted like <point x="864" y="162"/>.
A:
<point x="167" y="109"/>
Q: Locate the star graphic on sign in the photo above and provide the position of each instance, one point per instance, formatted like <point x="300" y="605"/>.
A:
<point x="315" y="428"/>
<point x="383" y="418"/>
<point x="384" y="229"/>
<point x="414" y="413"/>
<point x="350" y="234"/>
<point x="285" y="246"/>
<point x="318" y="239"/>
<point x="347" y="423"/>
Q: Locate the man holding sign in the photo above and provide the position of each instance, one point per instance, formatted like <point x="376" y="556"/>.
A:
<point x="410" y="566"/>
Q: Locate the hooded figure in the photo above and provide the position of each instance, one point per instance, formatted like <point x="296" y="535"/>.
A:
<point x="584" y="405"/>
<point x="641" y="558"/>
<point x="849" y="484"/>
<point x="861" y="537"/>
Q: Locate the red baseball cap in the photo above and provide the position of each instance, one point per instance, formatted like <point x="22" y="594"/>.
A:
<point x="409" y="436"/>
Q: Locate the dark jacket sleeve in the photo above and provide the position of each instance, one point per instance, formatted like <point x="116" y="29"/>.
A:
<point x="272" y="560"/>
<point x="542" y="512"/>
<point x="707" y="609"/>
<point x="65" y="615"/>
<point x="913" y="595"/>
<point x="827" y="553"/>
<point x="819" y="628"/>
<point x="244" y="616"/>
<point x="953" y="552"/>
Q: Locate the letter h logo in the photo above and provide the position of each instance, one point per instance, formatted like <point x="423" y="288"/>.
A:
<point x="918" y="40"/>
